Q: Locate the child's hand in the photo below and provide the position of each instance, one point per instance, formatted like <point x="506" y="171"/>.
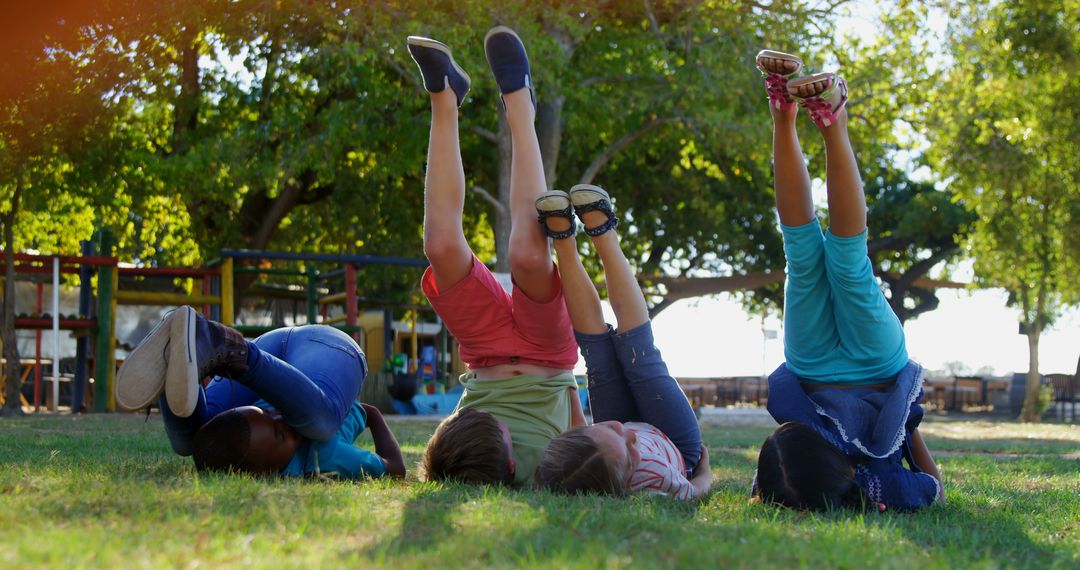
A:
<point x="701" y="478"/>
<point x="703" y="462"/>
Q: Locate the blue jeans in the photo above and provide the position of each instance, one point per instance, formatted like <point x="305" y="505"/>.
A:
<point x="837" y="326"/>
<point x="629" y="382"/>
<point x="311" y="374"/>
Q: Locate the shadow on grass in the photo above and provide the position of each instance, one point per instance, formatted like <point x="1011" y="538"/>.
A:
<point x="966" y="533"/>
<point x="500" y="526"/>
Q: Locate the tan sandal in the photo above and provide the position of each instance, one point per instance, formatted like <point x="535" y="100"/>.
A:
<point x="826" y="103"/>
<point x="775" y="81"/>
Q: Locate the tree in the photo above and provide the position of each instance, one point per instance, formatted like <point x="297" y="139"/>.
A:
<point x="1001" y="131"/>
<point x="51" y="110"/>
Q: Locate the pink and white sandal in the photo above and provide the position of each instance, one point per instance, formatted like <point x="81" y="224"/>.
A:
<point x="825" y="104"/>
<point x="776" y="81"/>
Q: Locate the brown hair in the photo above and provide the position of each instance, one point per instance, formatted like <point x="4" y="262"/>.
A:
<point x="222" y="444"/>
<point x="468" y="447"/>
<point x="573" y="464"/>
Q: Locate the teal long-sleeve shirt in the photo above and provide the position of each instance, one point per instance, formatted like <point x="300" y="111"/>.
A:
<point x="338" y="455"/>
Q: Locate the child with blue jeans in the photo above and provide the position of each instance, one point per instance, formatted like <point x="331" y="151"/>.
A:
<point x="284" y="403"/>
<point x="645" y="436"/>
<point x="847" y="395"/>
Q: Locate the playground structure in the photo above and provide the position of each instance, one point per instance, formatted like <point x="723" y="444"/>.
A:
<point x="331" y="297"/>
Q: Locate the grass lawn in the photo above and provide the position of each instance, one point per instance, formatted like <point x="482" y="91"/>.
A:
<point x="106" y="491"/>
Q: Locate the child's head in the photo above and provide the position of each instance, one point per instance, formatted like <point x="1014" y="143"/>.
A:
<point x="246" y="439"/>
<point x="593" y="459"/>
<point x="800" y="469"/>
<point x="470" y="446"/>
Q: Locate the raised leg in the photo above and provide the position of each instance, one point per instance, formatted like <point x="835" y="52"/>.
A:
<point x="656" y="394"/>
<point x="810" y="334"/>
<point x="871" y="344"/>
<point x="444" y="196"/>
<point x="530" y="253"/>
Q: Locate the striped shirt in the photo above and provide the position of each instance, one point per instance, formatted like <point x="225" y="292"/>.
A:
<point x="662" y="469"/>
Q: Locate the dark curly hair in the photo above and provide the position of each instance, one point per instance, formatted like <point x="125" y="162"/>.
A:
<point x="572" y="464"/>
<point x="800" y="469"/>
<point x="222" y="444"/>
<point x="468" y="447"/>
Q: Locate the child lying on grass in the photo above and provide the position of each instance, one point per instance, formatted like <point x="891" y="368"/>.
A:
<point x="284" y="403"/>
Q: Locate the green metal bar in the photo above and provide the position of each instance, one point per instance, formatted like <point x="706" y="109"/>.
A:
<point x="312" y="294"/>
<point x="104" y="357"/>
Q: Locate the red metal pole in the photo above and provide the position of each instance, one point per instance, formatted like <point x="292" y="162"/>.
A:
<point x="37" y="353"/>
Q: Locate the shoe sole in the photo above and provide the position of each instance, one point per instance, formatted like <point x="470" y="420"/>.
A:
<point x="593" y="192"/>
<point x="807" y="79"/>
<point x="778" y="55"/>
<point x="182" y="376"/>
<point x="141" y="377"/>
<point x="545" y="200"/>
<point x="503" y="30"/>
<point x="439" y="46"/>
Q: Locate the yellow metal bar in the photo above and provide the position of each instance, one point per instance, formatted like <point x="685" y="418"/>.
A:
<point x="333" y="320"/>
<point x="334" y="298"/>
<point x="227" y="291"/>
<point x="415" y="343"/>
<point x="158" y="298"/>
<point x="111" y="379"/>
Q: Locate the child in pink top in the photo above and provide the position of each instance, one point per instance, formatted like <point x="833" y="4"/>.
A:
<point x="659" y="447"/>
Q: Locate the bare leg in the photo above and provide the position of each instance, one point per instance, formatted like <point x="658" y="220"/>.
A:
<point x="530" y="253"/>
<point x="794" y="202"/>
<point x="444" y="196"/>
<point x="582" y="300"/>
<point x="847" y="203"/>
<point x="624" y="294"/>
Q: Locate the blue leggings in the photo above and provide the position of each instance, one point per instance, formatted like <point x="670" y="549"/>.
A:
<point x="311" y="374"/>
<point x="629" y="382"/>
<point x="837" y="326"/>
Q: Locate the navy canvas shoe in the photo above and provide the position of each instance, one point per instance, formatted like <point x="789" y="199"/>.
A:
<point x="437" y="67"/>
<point x="508" y="61"/>
<point x="199" y="348"/>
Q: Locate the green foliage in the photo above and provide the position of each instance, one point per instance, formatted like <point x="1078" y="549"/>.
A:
<point x="999" y="126"/>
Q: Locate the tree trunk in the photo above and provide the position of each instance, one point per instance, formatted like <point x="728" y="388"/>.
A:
<point x="549" y="133"/>
<point x="502" y="215"/>
<point x="12" y="384"/>
<point x="1031" y="412"/>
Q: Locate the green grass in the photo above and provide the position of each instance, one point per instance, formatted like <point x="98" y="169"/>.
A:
<point x="105" y="491"/>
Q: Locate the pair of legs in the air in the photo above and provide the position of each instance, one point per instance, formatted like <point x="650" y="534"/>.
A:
<point x="839" y="329"/>
<point x="838" y="326"/>
<point x="628" y="379"/>
<point x="452" y="260"/>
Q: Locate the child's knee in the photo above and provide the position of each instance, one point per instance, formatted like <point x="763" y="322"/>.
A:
<point x="530" y="261"/>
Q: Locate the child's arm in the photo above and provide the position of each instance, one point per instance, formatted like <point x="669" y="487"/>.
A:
<point x="702" y="476"/>
<point x="386" y="446"/>
<point x="924" y="461"/>
<point x="577" y="415"/>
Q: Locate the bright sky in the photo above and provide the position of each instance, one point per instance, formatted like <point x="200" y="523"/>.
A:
<point x="714" y="337"/>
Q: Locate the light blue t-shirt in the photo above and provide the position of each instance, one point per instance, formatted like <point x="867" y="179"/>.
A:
<point x="338" y="454"/>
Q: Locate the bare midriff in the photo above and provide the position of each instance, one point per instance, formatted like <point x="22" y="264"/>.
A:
<point x="510" y="370"/>
<point x="814" y="387"/>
